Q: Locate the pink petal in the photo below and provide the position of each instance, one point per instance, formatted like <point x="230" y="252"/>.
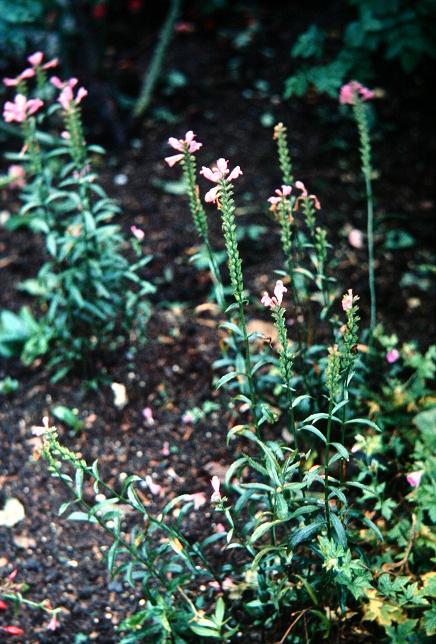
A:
<point x="56" y="81"/>
<point x="279" y="290"/>
<point x="51" y="63"/>
<point x="208" y="174"/>
<point x="212" y="195"/>
<point x="195" y="146"/>
<point x="175" y="144"/>
<point x="173" y="159"/>
<point x="222" y="166"/>
<point x="235" y="173"/>
<point x="189" y="136"/>
<point x="10" y="82"/>
<point x="81" y="95"/>
<point x="392" y="356"/>
<point x="414" y="478"/>
<point x="36" y="58"/>
<point x="300" y="185"/>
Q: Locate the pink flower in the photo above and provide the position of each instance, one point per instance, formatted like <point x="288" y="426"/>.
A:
<point x="352" y="89"/>
<point x="53" y="624"/>
<point x="13" y="82"/>
<point x="165" y="451"/>
<point x="67" y="98"/>
<point x="355" y="238"/>
<point x="348" y="300"/>
<point x="137" y="232"/>
<point x="20" y="109"/>
<point x="59" y="84"/>
<point x="220" y="528"/>
<point x="40" y="431"/>
<point x="154" y="488"/>
<point x="281" y="194"/>
<point x="17" y="175"/>
<point x="36" y="59"/>
<point x="182" y="145"/>
<point x="392" y="356"/>
<point x="414" y="478"/>
<point x="277" y="298"/>
<point x="147" y="413"/>
<point x="216" y="174"/>
<point x="187" y="418"/>
<point x="305" y="196"/>
<point x="216" y="495"/>
<point x="199" y="499"/>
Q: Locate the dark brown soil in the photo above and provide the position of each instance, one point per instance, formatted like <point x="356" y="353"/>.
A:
<point x="172" y="373"/>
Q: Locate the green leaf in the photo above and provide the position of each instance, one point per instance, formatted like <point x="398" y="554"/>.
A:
<point x="313" y="430"/>
<point x="227" y="377"/>
<point x="363" y="421"/>
<point x="303" y="534"/>
<point x="262" y="529"/>
<point x="342" y="450"/>
<point x="339" y="529"/>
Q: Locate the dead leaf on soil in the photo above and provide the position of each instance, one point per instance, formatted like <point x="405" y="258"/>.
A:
<point x="12" y="513"/>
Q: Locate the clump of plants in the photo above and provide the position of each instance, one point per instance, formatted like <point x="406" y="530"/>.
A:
<point x="90" y="297"/>
<point x="322" y="523"/>
<point x="401" y="31"/>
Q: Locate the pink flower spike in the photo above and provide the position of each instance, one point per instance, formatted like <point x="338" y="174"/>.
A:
<point x="20" y="109"/>
<point x="220" y="172"/>
<point x="355" y="238"/>
<point x="176" y="158"/>
<point x="187" y="143"/>
<point x="36" y="59"/>
<point x="216" y="495"/>
<point x="137" y="232"/>
<point x="349" y="91"/>
<point x="392" y="356"/>
<point x="53" y="624"/>
<point x="347" y="300"/>
<point x="279" y="290"/>
<point x="414" y="478"/>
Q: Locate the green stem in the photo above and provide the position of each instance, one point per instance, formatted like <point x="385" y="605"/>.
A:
<point x="326" y="469"/>
<point x="370" y="234"/>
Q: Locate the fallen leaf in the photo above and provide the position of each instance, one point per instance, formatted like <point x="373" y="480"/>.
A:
<point x="12" y="513"/>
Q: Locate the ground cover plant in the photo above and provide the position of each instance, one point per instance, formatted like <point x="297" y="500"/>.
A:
<point x="271" y="476"/>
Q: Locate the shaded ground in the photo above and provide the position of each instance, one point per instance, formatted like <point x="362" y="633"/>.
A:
<point x="173" y="372"/>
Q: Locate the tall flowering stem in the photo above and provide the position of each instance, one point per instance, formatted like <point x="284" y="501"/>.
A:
<point x="333" y="378"/>
<point x="348" y="355"/>
<point x="355" y="95"/>
<point x="222" y="196"/>
<point x="186" y="148"/>
<point x="286" y="357"/>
